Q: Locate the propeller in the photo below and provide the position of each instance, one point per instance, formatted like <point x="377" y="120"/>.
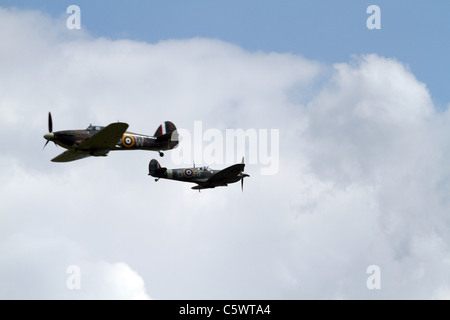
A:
<point x="244" y="175"/>
<point x="50" y="122"/>
<point x="50" y="136"/>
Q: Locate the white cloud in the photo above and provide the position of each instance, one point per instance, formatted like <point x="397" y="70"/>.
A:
<point x="363" y="179"/>
<point x="39" y="267"/>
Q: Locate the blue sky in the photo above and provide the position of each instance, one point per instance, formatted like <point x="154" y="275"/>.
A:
<point x="414" y="32"/>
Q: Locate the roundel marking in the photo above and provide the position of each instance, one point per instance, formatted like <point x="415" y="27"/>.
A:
<point x="128" y="141"/>
<point x="188" y="173"/>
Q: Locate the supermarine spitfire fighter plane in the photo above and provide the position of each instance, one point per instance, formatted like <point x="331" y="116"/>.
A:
<point x="204" y="177"/>
<point x="99" y="141"/>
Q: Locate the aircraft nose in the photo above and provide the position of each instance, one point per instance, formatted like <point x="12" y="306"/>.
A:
<point x="49" y="136"/>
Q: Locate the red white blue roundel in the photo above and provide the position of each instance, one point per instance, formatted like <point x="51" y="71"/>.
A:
<point x="188" y="173"/>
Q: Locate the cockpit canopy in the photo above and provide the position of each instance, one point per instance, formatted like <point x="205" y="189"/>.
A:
<point x="94" y="128"/>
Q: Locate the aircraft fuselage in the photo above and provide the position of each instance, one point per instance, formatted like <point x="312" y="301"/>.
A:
<point x="203" y="176"/>
<point x="70" y="139"/>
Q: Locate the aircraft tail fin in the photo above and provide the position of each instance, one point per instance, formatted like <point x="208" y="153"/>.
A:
<point x="155" y="169"/>
<point x="166" y="131"/>
<point x="167" y="135"/>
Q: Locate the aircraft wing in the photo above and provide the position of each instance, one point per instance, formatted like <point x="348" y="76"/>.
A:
<point x="70" y="155"/>
<point x="226" y="175"/>
<point x="106" y="138"/>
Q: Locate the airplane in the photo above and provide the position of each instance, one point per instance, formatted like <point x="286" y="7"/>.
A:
<point x="204" y="177"/>
<point x="99" y="141"/>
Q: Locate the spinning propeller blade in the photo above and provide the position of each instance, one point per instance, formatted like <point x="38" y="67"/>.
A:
<point x="49" y="136"/>
<point x="50" y="123"/>
<point x="243" y="176"/>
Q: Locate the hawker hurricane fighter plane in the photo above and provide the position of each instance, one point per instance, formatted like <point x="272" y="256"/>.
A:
<point x="204" y="177"/>
<point x="99" y="141"/>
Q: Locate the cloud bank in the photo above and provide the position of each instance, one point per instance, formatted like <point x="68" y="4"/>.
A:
<point x="363" y="176"/>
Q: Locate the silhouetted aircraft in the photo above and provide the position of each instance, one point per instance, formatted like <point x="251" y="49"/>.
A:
<point x="204" y="177"/>
<point x="99" y="141"/>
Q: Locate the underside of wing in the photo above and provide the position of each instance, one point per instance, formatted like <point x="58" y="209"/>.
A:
<point x="70" y="155"/>
<point x="106" y="138"/>
<point x="226" y="175"/>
